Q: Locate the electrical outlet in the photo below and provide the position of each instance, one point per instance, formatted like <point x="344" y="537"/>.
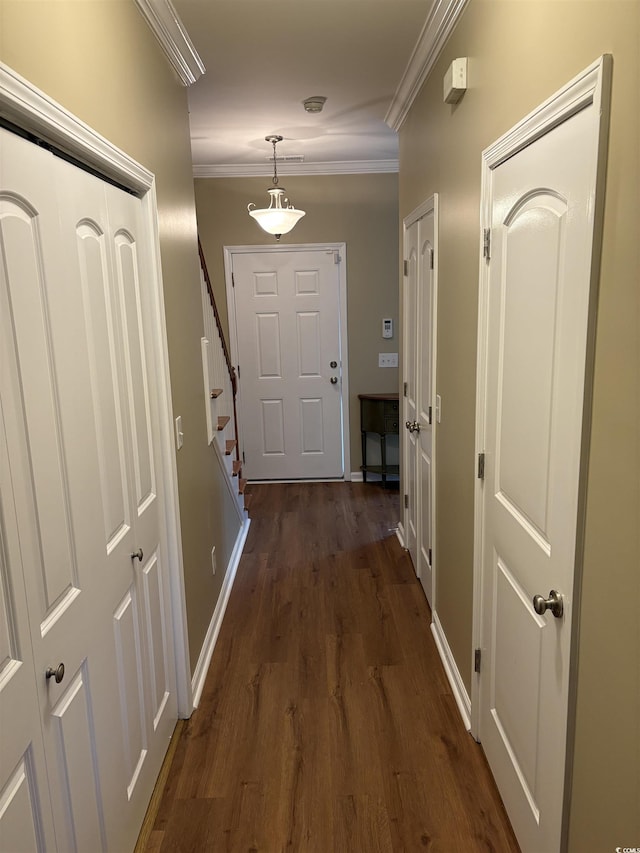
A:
<point x="213" y="559"/>
<point x="387" y="359"/>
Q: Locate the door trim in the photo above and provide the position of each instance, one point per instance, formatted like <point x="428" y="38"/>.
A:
<point x="30" y="109"/>
<point x="341" y="248"/>
<point x="428" y="206"/>
<point x="590" y="87"/>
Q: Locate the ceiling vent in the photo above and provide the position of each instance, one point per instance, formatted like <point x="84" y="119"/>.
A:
<point x="287" y="158"/>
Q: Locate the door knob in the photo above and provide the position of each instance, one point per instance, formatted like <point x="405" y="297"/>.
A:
<point x="137" y="554"/>
<point x="334" y="380"/>
<point x="553" y="603"/>
<point x="415" y="427"/>
<point x="333" y="364"/>
<point x="407" y="425"/>
<point x="57" y="673"/>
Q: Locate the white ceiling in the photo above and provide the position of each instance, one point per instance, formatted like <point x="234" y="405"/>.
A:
<point x="264" y="57"/>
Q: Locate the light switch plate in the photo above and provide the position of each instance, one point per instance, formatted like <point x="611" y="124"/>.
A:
<point x="387" y="359"/>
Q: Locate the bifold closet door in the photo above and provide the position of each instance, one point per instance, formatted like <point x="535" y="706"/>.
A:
<point x="80" y="443"/>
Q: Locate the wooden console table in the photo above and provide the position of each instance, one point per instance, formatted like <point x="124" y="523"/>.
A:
<point x="379" y="413"/>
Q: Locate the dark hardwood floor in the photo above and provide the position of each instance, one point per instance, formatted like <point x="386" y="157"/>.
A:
<point x="327" y="724"/>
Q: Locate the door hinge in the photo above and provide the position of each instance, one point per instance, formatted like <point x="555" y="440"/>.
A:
<point x="244" y="461"/>
<point x="477" y="660"/>
<point x="336" y="258"/>
<point x="430" y="416"/>
<point x="406" y="501"/>
<point x="481" y="466"/>
<point x="431" y="256"/>
<point x="430" y="558"/>
<point x="233" y="280"/>
<point x="486" y="244"/>
<point x="405" y="267"/>
<point x="405" y="387"/>
<point x="238" y="369"/>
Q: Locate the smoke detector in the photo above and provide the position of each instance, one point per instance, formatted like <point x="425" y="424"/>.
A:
<point x="314" y="104"/>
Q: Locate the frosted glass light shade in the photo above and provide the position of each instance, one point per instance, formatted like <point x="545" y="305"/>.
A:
<point x="276" y="219"/>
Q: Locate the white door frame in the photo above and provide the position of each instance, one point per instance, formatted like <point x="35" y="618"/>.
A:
<point x="430" y="205"/>
<point x="590" y="87"/>
<point x="341" y="249"/>
<point x="28" y="108"/>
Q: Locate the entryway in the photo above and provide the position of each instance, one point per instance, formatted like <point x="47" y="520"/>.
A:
<point x="287" y="318"/>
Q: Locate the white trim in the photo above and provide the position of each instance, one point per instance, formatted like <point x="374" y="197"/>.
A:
<point x="335" y="167"/>
<point x="439" y="25"/>
<point x="173" y="38"/>
<point x="585" y="89"/>
<point x="29" y="108"/>
<point x="341" y="248"/>
<point x="206" y="653"/>
<point x="452" y="672"/>
<point x="400" y="535"/>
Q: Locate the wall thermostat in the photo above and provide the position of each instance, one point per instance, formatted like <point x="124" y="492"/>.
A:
<point x="387" y="328"/>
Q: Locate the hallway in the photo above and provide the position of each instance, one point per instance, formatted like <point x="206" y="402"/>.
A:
<point x="327" y="724"/>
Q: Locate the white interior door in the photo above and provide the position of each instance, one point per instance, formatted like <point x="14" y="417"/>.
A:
<point x="540" y="208"/>
<point x="78" y="411"/>
<point x="291" y="354"/>
<point x="410" y="409"/>
<point x="419" y="347"/>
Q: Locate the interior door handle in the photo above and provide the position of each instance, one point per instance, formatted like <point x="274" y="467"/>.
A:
<point x="57" y="673"/>
<point x="334" y="380"/>
<point x="554" y="603"/>
<point x="137" y="555"/>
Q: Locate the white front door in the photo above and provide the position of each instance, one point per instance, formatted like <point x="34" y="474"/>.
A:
<point x="77" y="407"/>
<point x="290" y="350"/>
<point x="540" y="211"/>
<point x="419" y="327"/>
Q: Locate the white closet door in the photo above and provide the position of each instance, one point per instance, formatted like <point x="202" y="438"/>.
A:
<point x="81" y="450"/>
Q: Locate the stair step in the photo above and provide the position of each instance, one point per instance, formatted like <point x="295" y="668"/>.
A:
<point x="215" y="393"/>
<point x="242" y="484"/>
<point x="229" y="445"/>
<point x="237" y="467"/>
<point x="222" y="422"/>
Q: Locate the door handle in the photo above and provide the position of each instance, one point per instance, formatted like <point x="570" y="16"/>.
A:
<point x="137" y="554"/>
<point x="415" y="427"/>
<point x="57" y="673"/>
<point x="554" y="603"/>
<point x="333" y="364"/>
<point x="334" y="380"/>
<point x="407" y="425"/>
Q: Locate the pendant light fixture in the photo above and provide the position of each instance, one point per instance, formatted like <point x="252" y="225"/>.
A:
<point x="280" y="217"/>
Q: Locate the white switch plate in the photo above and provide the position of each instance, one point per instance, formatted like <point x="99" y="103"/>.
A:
<point x="179" y="433"/>
<point x="387" y="359"/>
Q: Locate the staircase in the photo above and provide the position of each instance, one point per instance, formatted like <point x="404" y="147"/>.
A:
<point x="220" y="385"/>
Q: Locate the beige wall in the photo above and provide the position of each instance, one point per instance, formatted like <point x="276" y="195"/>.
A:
<point x="99" y="59"/>
<point x="520" y="52"/>
<point x="360" y="210"/>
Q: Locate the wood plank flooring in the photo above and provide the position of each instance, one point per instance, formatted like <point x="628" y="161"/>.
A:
<point x="327" y="724"/>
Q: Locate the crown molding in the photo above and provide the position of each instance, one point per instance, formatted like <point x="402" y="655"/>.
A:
<point x="173" y="37"/>
<point x="438" y="27"/>
<point x="335" y="167"/>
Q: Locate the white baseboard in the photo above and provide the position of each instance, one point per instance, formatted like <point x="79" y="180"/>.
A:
<point x="453" y="673"/>
<point x="400" y="535"/>
<point x="206" y="653"/>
